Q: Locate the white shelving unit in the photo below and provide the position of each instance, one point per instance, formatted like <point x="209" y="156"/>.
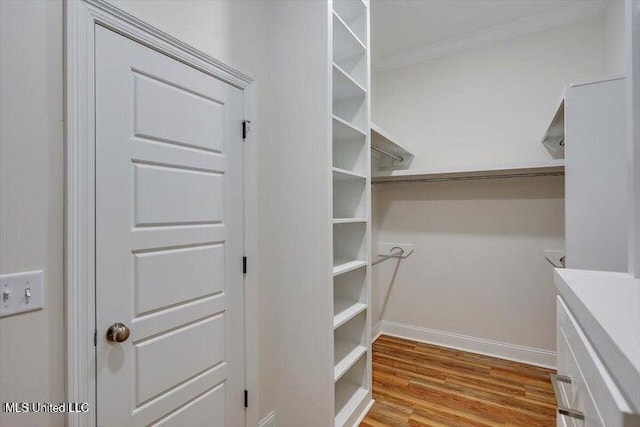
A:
<point x="351" y="198"/>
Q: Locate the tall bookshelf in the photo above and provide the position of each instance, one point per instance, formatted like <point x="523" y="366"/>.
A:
<point x="351" y="196"/>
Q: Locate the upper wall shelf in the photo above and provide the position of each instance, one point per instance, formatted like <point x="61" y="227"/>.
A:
<point x="553" y="138"/>
<point x="548" y="167"/>
<point x="392" y="155"/>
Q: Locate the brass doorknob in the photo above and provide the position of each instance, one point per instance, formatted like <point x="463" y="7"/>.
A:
<point x="118" y="332"/>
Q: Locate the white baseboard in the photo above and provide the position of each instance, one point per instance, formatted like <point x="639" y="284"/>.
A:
<point x="376" y="331"/>
<point x="517" y="353"/>
<point x="268" y="421"/>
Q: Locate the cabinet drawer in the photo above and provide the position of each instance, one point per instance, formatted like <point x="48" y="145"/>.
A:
<point x="592" y="390"/>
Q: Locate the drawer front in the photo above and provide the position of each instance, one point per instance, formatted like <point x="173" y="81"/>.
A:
<point x="575" y="395"/>
<point x="592" y="390"/>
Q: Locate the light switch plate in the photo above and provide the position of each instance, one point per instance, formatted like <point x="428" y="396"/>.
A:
<point x="21" y="292"/>
<point x="385" y="248"/>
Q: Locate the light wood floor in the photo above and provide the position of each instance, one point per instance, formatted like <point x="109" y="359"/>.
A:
<point x="417" y="384"/>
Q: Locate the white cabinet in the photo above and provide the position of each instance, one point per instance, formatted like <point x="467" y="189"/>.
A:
<point x="596" y="195"/>
<point x="592" y="397"/>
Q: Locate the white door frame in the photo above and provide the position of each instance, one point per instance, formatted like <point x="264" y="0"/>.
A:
<point x="81" y="17"/>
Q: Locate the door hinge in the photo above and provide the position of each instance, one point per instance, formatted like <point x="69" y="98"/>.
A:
<point x="95" y="337"/>
<point x="246" y="399"/>
<point x="245" y="129"/>
<point x="244" y="265"/>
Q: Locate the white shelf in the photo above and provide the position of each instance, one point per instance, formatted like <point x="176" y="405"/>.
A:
<point x="349" y="396"/>
<point x="344" y="86"/>
<point x="349" y="354"/>
<point x="344" y="131"/>
<point x="345" y="266"/>
<point x="348" y="220"/>
<point x="553" y="138"/>
<point x="555" y="166"/>
<point x="345" y="311"/>
<point x="383" y="141"/>
<point x="341" y="174"/>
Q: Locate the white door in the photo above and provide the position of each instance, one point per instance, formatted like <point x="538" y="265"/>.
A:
<point x="169" y="243"/>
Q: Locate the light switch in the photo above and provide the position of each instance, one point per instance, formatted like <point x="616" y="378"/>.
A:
<point x="21" y="292"/>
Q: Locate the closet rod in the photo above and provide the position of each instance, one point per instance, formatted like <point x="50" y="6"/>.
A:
<point x="470" y="178"/>
<point x="399" y="252"/>
<point x="388" y="154"/>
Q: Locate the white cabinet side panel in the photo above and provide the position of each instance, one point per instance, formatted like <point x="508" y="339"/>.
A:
<point x="596" y="179"/>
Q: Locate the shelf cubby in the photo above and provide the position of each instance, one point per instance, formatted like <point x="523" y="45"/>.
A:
<point x="349" y="241"/>
<point x="349" y="53"/>
<point x="354" y="15"/>
<point x="351" y="286"/>
<point x="349" y="345"/>
<point x="350" y="299"/>
<point x="349" y="195"/>
<point x="345" y="87"/>
<point x="349" y="147"/>
<point x="351" y="390"/>
<point x="352" y="110"/>
<point x="346" y="355"/>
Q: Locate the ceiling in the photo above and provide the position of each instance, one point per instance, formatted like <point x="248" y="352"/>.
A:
<point x="401" y="26"/>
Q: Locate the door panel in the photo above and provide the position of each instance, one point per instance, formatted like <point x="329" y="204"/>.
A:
<point x="199" y="411"/>
<point x="163" y="109"/>
<point x="200" y="344"/>
<point x="199" y="270"/>
<point x="160" y="197"/>
<point x="168" y="240"/>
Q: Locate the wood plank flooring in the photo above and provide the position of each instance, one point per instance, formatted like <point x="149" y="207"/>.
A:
<point x="418" y="385"/>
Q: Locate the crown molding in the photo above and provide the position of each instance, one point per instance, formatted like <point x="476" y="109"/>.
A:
<point x="520" y="27"/>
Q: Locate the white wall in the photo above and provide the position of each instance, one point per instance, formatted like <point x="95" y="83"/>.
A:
<point x="31" y="173"/>
<point x="478" y="268"/>
<point x="614" y="42"/>
<point x="487" y="105"/>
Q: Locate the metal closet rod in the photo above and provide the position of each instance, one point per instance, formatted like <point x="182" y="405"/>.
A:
<point x="469" y="178"/>
<point x="388" y="154"/>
